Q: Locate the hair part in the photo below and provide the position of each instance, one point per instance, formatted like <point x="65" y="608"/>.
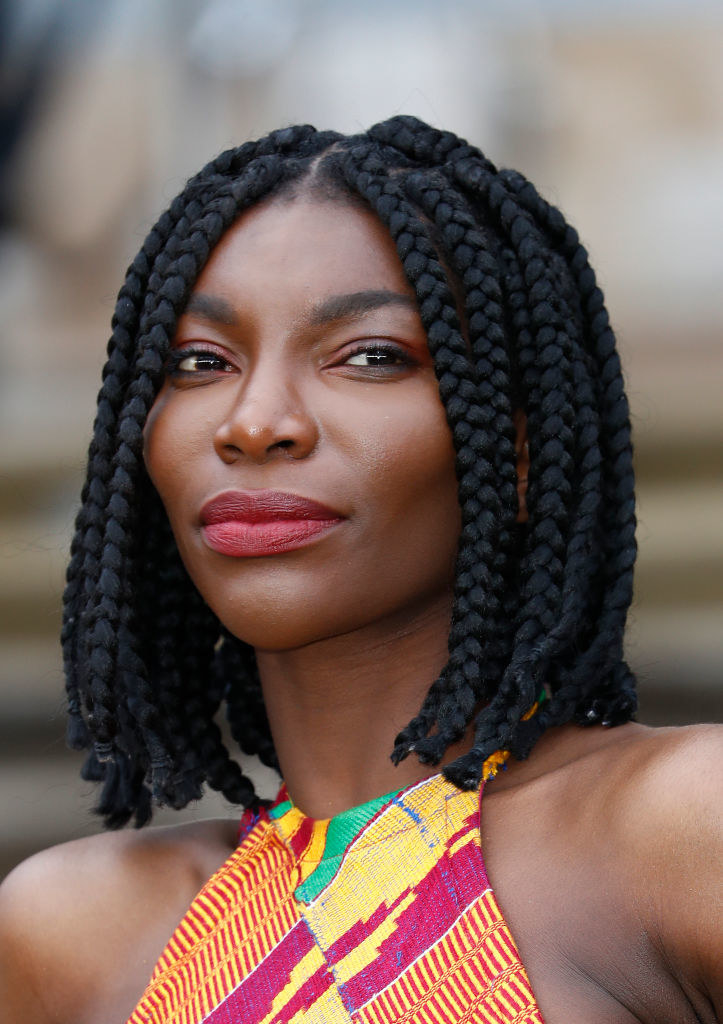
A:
<point x="514" y="319"/>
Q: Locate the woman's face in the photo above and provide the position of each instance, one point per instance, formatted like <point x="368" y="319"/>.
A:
<point x="298" y="443"/>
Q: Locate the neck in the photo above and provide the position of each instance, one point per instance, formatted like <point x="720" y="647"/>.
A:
<point x="335" y="707"/>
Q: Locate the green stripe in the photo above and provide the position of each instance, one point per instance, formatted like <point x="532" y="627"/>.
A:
<point x="343" y="830"/>
<point x="280" y="809"/>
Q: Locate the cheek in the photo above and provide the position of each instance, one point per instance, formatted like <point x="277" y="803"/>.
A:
<point x="413" y="457"/>
<point x="409" y="468"/>
<point x="392" y="461"/>
<point x="169" y="449"/>
<point x="158" y="454"/>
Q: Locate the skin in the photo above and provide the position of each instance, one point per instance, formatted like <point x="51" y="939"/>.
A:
<point x="602" y="847"/>
<point x="292" y="407"/>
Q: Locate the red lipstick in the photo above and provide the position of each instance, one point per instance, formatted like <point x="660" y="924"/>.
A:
<point x="250" y="524"/>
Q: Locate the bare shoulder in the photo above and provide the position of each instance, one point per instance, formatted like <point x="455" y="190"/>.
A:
<point x="661" y="794"/>
<point x="668" y="786"/>
<point x="680" y="767"/>
<point x="82" y="924"/>
<point x="666" y="800"/>
<point x="645" y="776"/>
<point x="621" y="917"/>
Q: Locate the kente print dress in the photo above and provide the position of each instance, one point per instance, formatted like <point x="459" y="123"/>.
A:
<point x="383" y="913"/>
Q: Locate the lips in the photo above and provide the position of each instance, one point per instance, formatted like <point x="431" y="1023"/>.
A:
<point x="252" y="524"/>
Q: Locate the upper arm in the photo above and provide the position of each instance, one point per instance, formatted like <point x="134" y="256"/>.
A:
<point x="62" y="931"/>
<point x="26" y="977"/>
<point x="82" y="924"/>
<point x="678" y="847"/>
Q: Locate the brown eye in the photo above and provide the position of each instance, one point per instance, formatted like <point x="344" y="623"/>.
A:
<point x="377" y="356"/>
<point x="191" y="362"/>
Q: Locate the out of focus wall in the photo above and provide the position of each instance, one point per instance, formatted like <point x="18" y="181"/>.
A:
<point x="615" y="111"/>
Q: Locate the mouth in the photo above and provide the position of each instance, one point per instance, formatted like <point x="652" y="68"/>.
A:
<point x="253" y="524"/>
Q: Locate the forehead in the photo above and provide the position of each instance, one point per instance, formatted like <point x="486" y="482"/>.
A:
<point x="306" y="248"/>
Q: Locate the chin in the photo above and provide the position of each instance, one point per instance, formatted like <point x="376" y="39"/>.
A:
<point x="279" y="633"/>
<point x="279" y="605"/>
<point x="277" y="618"/>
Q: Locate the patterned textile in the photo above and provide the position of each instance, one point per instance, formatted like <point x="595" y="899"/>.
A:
<point x="384" y="913"/>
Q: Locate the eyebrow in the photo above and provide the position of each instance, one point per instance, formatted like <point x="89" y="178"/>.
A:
<point x="211" y="307"/>
<point x="356" y="304"/>
<point x="338" y="307"/>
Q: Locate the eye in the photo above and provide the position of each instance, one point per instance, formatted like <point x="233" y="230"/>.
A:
<point x="188" y="362"/>
<point x="373" y="355"/>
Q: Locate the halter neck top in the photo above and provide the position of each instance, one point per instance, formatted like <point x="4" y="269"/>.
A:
<point x="383" y="913"/>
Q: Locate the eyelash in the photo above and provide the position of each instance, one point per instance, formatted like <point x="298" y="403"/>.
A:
<point x="178" y="356"/>
<point x="377" y="348"/>
<point x="216" y="363"/>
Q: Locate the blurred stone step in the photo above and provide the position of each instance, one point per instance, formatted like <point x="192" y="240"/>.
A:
<point x="677" y="654"/>
<point x="677" y="651"/>
<point x="680" y="558"/>
<point x="44" y="802"/>
<point x="680" y="544"/>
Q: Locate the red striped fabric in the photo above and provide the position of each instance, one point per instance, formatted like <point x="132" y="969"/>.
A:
<point x="405" y="927"/>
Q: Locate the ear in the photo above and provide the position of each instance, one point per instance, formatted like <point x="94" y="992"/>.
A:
<point x="522" y="451"/>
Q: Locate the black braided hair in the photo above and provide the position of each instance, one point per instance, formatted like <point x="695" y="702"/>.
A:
<point x="514" y="320"/>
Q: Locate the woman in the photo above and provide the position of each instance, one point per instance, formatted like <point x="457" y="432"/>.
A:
<point x="282" y="515"/>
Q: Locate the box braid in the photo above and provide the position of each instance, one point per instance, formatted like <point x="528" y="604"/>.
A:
<point x="514" y="320"/>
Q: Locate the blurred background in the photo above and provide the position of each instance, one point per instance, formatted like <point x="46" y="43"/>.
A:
<point x="614" y="108"/>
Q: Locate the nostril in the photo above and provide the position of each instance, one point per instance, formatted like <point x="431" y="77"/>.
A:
<point x="288" y="443"/>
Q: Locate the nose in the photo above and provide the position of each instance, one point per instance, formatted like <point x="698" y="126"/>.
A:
<point x="267" y="418"/>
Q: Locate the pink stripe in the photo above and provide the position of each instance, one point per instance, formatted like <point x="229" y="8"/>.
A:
<point x="219" y="904"/>
<point x="523" y="996"/>
<point x="440" y="898"/>
<point x="299" y="840"/>
<point x="502" y="952"/>
<point x="306" y="996"/>
<point x="252" y="998"/>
